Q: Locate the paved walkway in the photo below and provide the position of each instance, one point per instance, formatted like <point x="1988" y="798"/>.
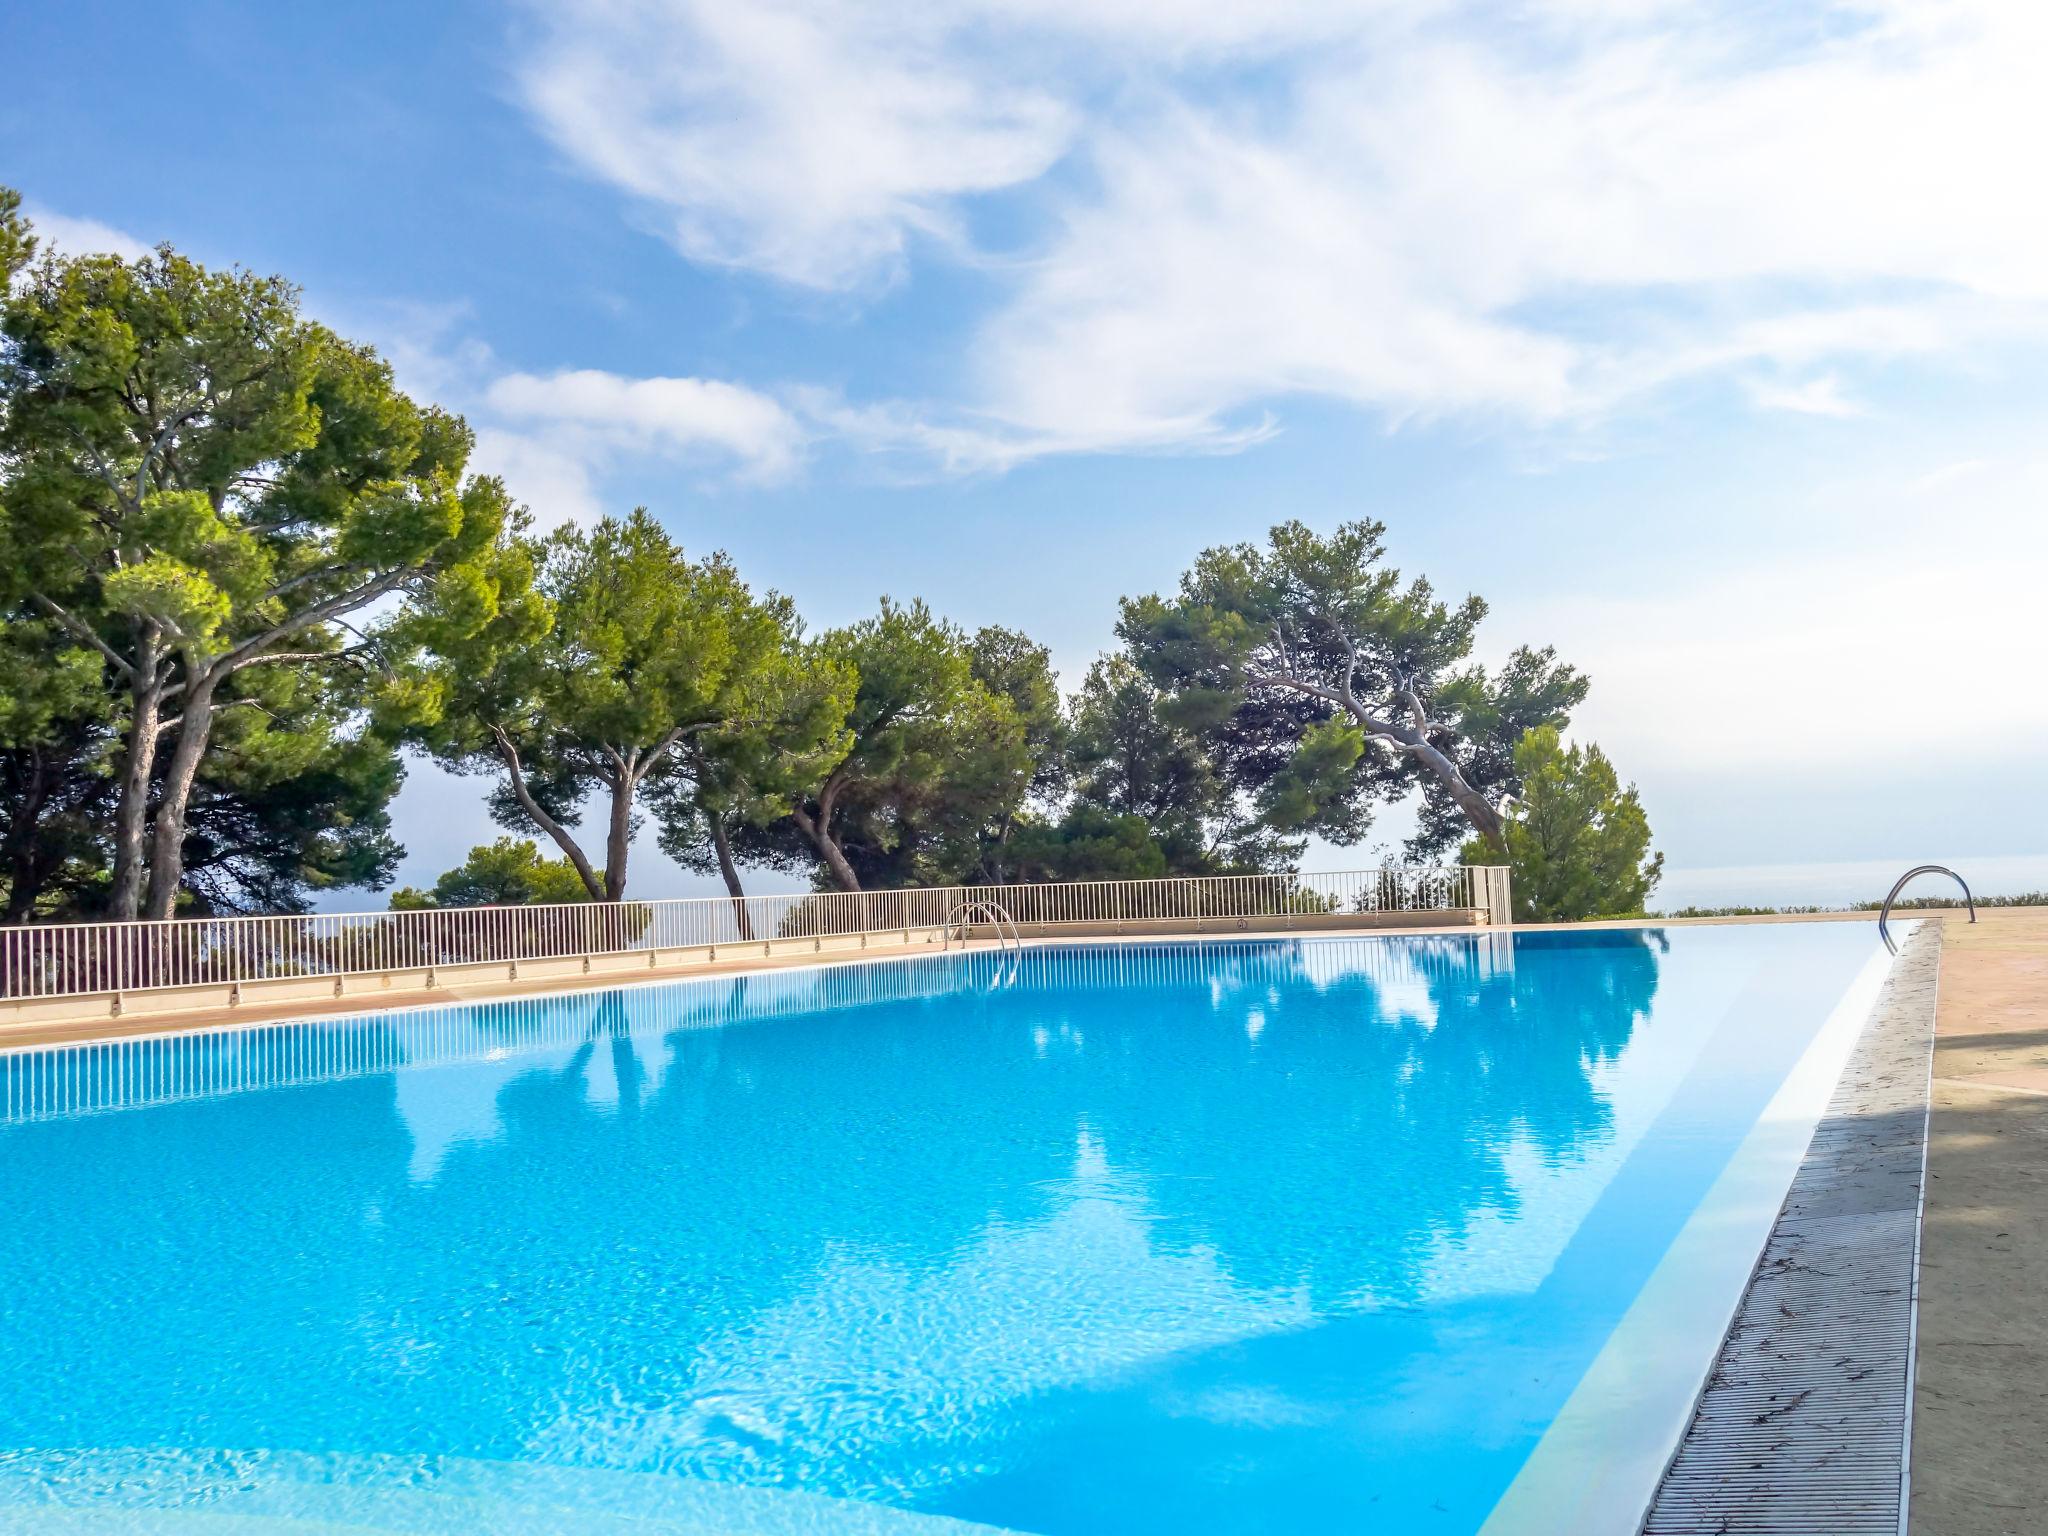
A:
<point x="1980" y="1424"/>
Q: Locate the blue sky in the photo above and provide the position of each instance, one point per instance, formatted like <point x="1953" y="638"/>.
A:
<point x="1706" y="342"/>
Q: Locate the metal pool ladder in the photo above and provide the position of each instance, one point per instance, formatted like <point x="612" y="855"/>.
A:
<point x="1884" y="915"/>
<point x="994" y="913"/>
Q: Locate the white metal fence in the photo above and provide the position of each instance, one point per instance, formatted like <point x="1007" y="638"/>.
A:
<point x="75" y="959"/>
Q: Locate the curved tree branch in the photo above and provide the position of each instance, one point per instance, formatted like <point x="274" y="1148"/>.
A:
<point x="83" y="631"/>
<point x="508" y="753"/>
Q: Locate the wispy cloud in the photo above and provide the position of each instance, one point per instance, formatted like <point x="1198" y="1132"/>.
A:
<point x="1811" y="397"/>
<point x="809" y="142"/>
<point x="1536" y="211"/>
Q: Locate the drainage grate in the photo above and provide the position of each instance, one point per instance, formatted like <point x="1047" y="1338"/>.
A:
<point x="1801" y="1429"/>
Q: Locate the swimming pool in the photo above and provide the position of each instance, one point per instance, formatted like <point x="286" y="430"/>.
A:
<point x="1290" y="1235"/>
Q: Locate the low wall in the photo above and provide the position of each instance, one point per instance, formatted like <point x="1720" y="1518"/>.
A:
<point x="363" y="988"/>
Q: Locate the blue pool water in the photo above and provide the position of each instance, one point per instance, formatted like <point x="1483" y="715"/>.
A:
<point x="1310" y="1235"/>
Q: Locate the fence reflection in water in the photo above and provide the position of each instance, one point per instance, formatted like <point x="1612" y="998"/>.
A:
<point x="56" y="1082"/>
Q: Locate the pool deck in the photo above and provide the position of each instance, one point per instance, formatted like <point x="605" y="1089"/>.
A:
<point x="1981" y="1411"/>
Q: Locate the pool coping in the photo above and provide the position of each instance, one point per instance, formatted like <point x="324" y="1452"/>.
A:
<point x="1806" y="1419"/>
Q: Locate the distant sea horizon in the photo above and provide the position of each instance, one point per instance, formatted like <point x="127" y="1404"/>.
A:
<point x="1841" y="884"/>
<point x="1817" y="884"/>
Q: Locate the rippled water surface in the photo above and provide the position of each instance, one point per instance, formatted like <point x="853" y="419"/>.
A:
<point x="1265" y="1236"/>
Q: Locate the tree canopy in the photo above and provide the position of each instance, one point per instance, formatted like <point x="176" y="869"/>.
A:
<point x="198" y="482"/>
<point x="241" y="573"/>
<point x="934" y="756"/>
<point x="1577" y="842"/>
<point x="620" y="651"/>
<point x="728" y="793"/>
<point x="1327" y="683"/>
<point x="507" y="873"/>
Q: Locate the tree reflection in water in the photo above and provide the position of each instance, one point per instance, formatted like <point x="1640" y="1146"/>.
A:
<point x="1334" y="1107"/>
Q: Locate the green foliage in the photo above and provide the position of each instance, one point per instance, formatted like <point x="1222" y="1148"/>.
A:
<point x="1089" y="843"/>
<point x="729" y="792"/>
<point x="294" y="796"/>
<point x="197" y="490"/>
<point x="1578" y="844"/>
<point x="195" y="483"/>
<point x="579" y="668"/>
<point x="1013" y="666"/>
<point x="1129" y="760"/>
<point x="1261" y="649"/>
<point x="507" y="873"/>
<point x="17" y="240"/>
<point x="292" y="799"/>
<point x="936" y="760"/>
<point x="206" y="499"/>
<point x="1737" y="911"/>
<point x="1950" y="903"/>
<point x="643" y="641"/>
<point x="56" y="729"/>
<point x="935" y="756"/>
<point x="1493" y="712"/>
<point x="1908" y="904"/>
<point x="46" y="681"/>
<point x="1323" y="758"/>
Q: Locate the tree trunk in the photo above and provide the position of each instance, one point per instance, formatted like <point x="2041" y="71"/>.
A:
<point x="24" y="870"/>
<point x="131" y="814"/>
<point x="1480" y="811"/>
<point x="721" y="844"/>
<point x="619" y="839"/>
<point x="816" y="829"/>
<point x="167" y="845"/>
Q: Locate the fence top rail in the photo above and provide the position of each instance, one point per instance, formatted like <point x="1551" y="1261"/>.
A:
<point x="596" y="911"/>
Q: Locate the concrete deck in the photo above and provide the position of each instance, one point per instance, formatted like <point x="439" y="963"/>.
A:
<point x="1981" y="1410"/>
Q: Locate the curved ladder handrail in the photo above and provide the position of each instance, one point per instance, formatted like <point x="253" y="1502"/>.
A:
<point x="996" y="913"/>
<point x="1885" y="912"/>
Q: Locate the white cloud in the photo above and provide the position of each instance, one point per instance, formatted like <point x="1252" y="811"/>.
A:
<point x="657" y="415"/>
<point x="555" y="484"/>
<point x="781" y="137"/>
<point x="555" y="437"/>
<point x="83" y="237"/>
<point x="922" y="439"/>
<point x="1811" y="397"/>
<point x="1537" y="211"/>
